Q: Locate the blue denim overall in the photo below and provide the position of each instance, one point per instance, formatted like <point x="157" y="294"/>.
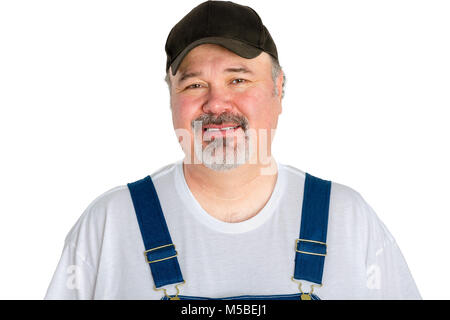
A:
<point x="310" y="247"/>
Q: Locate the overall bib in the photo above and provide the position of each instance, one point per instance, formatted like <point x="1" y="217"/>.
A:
<point x="161" y="255"/>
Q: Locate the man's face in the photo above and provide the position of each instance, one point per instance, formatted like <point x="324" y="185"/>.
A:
<point x="234" y="99"/>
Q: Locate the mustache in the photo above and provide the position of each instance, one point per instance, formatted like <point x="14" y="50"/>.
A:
<point x="208" y="118"/>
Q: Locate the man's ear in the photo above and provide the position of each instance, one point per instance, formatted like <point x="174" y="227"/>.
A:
<point x="170" y="79"/>
<point x="279" y="85"/>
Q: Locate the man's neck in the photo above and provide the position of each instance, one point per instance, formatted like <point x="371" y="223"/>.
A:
<point x="233" y="195"/>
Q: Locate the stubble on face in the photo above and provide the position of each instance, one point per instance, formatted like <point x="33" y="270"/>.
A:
<point x="221" y="153"/>
<point x="224" y="151"/>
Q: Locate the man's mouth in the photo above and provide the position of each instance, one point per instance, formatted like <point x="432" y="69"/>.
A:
<point x="216" y="128"/>
<point x="213" y="131"/>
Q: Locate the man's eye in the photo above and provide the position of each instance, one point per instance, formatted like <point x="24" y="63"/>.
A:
<point x="237" y="81"/>
<point x="194" y="86"/>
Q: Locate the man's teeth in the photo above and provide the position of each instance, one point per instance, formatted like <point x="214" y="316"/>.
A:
<point x="220" y="129"/>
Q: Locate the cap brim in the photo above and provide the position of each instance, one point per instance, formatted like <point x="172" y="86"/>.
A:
<point x="240" y="48"/>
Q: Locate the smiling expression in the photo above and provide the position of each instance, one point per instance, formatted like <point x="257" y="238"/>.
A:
<point x="230" y="94"/>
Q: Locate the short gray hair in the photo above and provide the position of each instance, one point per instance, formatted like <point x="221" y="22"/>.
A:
<point x="276" y="69"/>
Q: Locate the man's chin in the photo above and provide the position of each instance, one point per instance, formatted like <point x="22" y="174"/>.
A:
<point x="221" y="167"/>
<point x="222" y="163"/>
<point x="228" y="160"/>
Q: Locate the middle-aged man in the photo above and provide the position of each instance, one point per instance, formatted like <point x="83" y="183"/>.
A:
<point x="228" y="221"/>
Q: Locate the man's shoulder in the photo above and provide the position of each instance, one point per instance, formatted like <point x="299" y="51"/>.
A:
<point x="120" y="193"/>
<point x="108" y="198"/>
<point x="115" y="204"/>
<point x="342" y="196"/>
<point x="161" y="174"/>
<point x="343" y="191"/>
<point x="93" y="219"/>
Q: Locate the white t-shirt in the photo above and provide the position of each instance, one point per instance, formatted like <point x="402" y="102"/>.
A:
<point x="103" y="253"/>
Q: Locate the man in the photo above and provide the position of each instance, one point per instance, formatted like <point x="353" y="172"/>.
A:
<point x="229" y="221"/>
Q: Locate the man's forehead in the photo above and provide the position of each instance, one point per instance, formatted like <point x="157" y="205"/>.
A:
<point x="186" y="74"/>
<point x="227" y="60"/>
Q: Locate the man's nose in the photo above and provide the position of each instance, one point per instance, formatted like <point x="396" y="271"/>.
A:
<point x="218" y="101"/>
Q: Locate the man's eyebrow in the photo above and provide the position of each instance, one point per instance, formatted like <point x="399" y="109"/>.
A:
<point x="238" y="70"/>
<point x="187" y="75"/>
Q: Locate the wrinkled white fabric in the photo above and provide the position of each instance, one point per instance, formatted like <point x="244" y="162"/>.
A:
<point x="103" y="253"/>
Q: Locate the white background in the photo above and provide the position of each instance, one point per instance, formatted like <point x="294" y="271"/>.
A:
<point x="84" y="108"/>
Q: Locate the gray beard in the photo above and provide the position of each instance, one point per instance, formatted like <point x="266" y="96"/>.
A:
<point x="220" y="155"/>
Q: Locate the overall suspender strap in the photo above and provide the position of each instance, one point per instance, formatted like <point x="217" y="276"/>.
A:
<point x="311" y="247"/>
<point x="160" y="252"/>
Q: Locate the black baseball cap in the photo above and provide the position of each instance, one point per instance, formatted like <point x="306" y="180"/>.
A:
<point x="236" y="27"/>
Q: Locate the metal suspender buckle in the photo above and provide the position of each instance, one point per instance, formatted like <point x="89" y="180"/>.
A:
<point x="313" y="245"/>
<point x="157" y="248"/>
<point x="175" y="297"/>
<point x="306" y="295"/>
